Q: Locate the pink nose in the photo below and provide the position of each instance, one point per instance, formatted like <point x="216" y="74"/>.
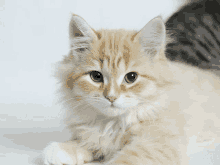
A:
<point x="111" y="98"/>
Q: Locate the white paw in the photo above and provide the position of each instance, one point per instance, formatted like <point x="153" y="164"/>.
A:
<point x="66" y="153"/>
<point x="55" y="155"/>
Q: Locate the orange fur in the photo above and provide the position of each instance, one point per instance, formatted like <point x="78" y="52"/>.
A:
<point x="150" y="121"/>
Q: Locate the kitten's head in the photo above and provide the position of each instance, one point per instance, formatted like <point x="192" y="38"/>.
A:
<point x="114" y="71"/>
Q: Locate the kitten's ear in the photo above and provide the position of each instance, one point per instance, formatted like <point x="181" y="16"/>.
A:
<point x="78" y="27"/>
<point x="152" y="37"/>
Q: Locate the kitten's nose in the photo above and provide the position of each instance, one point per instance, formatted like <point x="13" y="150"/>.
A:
<point x="111" y="98"/>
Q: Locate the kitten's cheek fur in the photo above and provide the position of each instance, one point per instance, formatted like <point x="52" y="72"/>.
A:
<point x="100" y="105"/>
<point x="123" y="102"/>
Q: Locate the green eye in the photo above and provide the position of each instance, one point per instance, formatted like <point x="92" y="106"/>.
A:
<point x="131" y="77"/>
<point x="96" y="76"/>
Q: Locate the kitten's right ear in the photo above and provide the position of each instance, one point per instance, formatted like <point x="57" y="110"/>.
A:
<point x="152" y="38"/>
<point x="78" y="27"/>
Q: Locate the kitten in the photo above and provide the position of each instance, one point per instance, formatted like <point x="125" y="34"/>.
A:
<point x="127" y="103"/>
<point x="196" y="35"/>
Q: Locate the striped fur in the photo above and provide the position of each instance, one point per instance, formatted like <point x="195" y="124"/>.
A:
<point x="195" y="28"/>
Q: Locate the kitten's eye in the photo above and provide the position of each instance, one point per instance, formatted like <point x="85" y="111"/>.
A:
<point x="81" y="49"/>
<point x="96" y="76"/>
<point x="131" y="77"/>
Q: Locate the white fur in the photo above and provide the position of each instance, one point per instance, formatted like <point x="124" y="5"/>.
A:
<point x="100" y="126"/>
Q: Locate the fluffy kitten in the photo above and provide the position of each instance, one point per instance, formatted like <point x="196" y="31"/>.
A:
<point x="196" y="35"/>
<point x="127" y="104"/>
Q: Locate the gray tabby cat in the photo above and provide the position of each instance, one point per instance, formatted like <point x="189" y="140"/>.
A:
<point x="195" y="29"/>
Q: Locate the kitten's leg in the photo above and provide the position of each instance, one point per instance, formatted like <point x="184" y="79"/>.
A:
<point x="146" y="152"/>
<point x="66" y="153"/>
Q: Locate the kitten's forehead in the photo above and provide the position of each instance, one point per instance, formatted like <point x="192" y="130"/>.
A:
<point x="115" y="51"/>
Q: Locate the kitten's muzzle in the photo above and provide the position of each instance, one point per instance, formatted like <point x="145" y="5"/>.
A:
<point x="111" y="98"/>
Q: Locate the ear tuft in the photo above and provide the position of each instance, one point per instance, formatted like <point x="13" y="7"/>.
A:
<point x="78" y="27"/>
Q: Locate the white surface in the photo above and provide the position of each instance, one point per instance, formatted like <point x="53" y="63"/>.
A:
<point x="33" y="35"/>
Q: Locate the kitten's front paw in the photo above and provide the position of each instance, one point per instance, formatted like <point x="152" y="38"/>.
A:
<point x="65" y="153"/>
<point x="54" y="154"/>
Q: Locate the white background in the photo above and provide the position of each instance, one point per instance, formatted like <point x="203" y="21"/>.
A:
<point x="33" y="36"/>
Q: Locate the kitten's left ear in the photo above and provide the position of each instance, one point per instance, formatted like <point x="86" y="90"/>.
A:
<point x="152" y="38"/>
<point x="78" y="27"/>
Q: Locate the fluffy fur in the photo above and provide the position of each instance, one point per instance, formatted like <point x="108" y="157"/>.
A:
<point x="149" y="121"/>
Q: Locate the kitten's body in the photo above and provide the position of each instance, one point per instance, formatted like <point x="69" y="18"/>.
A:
<point x="149" y="121"/>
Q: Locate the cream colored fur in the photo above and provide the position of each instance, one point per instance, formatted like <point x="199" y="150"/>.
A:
<point x="152" y="119"/>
